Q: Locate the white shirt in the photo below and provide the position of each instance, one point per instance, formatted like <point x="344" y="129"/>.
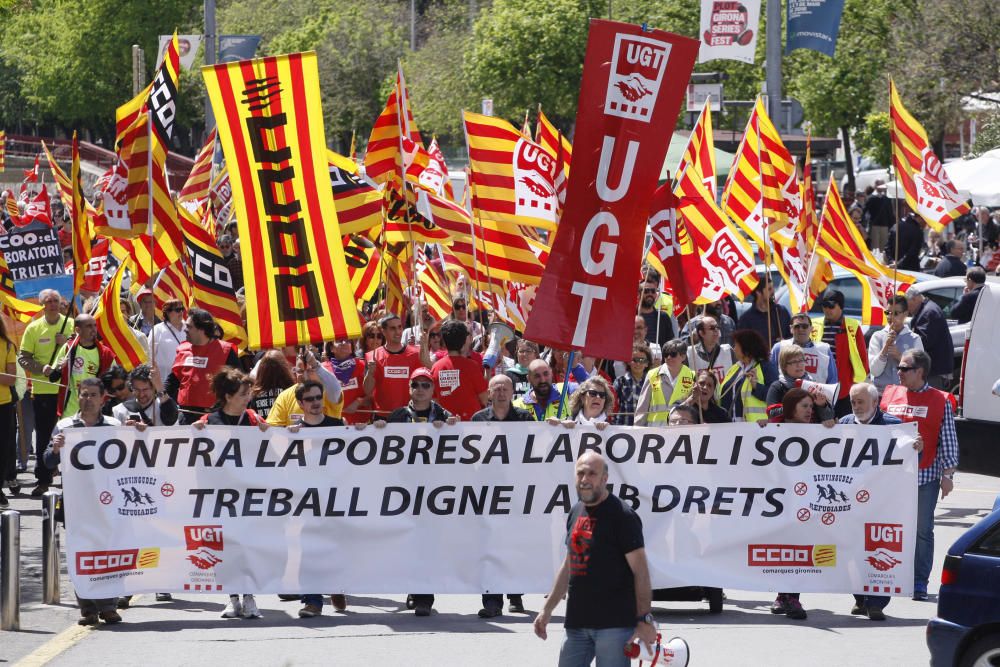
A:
<point x="166" y="339"/>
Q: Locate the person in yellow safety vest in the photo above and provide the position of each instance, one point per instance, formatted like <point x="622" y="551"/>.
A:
<point x="743" y="391"/>
<point x="850" y="354"/>
<point x="665" y="385"/>
<point x="542" y="401"/>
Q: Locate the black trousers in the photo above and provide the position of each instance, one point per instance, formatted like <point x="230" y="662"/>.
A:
<point x="423" y="597"/>
<point x="44" y="407"/>
<point x="8" y="442"/>
<point x="497" y="598"/>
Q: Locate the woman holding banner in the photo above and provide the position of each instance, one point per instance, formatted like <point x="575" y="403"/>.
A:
<point x="792" y="362"/>
<point x="744" y="387"/>
<point x="590" y="403"/>
<point x="232" y="393"/>
<point x="702" y="399"/>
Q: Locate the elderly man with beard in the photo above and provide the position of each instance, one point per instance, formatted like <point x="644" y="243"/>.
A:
<point x="605" y="573"/>
<point x="865" y="410"/>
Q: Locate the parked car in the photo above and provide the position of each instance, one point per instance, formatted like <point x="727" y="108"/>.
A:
<point x="966" y="630"/>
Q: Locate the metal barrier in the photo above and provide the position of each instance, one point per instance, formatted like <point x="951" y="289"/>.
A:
<point x="50" y="548"/>
<point x="10" y="570"/>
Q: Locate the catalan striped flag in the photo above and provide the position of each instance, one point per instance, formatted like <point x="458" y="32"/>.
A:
<point x="383" y="159"/>
<point x="172" y="283"/>
<point x="212" y="285"/>
<point x="394" y="274"/>
<point x="754" y="194"/>
<point x="78" y="218"/>
<point x="552" y="140"/>
<point x="929" y="191"/>
<point x="818" y="267"/>
<point x="725" y="255"/>
<point x="195" y="190"/>
<point x="435" y="176"/>
<point x="363" y="260"/>
<point x="3" y="150"/>
<point x="700" y="152"/>
<point x="841" y="242"/>
<point x="128" y="348"/>
<point x="403" y="223"/>
<point x="66" y="188"/>
<point x="146" y="256"/>
<point x="672" y="252"/>
<point x="22" y="311"/>
<point x="297" y="288"/>
<point x="512" y="178"/>
<point x="159" y="97"/>
<point x="502" y="253"/>
<point x="433" y="286"/>
<point x="359" y="205"/>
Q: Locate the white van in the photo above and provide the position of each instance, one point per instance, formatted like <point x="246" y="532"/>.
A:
<point x="978" y="423"/>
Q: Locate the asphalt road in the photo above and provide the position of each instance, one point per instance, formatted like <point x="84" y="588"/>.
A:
<point x="378" y="629"/>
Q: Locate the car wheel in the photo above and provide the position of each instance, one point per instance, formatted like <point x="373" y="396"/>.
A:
<point x="714" y="600"/>
<point x="984" y="652"/>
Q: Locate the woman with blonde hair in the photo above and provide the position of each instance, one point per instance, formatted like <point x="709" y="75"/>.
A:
<point x="589" y="404"/>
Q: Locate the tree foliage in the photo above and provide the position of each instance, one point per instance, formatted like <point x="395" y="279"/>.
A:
<point x="873" y="138"/>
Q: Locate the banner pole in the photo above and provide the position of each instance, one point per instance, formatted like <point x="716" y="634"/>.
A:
<point x="767" y="232"/>
<point x="565" y="384"/>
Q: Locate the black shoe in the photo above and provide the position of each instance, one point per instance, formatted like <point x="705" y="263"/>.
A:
<point x="14" y="487"/>
<point x="39" y="490"/>
<point x="88" y="619"/>
<point x="3" y="500"/>
<point x="164" y="597"/>
<point x="288" y="597"/>
<point x="516" y="605"/>
<point x="422" y="609"/>
<point x="875" y="614"/>
<point x="491" y="610"/>
<point x="124" y="602"/>
<point x="858" y="610"/>
<point x="409" y="602"/>
<point x="111" y="617"/>
<point x="920" y="596"/>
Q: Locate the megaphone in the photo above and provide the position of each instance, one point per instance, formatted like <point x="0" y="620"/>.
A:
<point x="830" y="391"/>
<point x="500" y="334"/>
<point x="674" y="653"/>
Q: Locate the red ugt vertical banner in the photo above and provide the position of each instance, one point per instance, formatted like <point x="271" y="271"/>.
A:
<point x="633" y="82"/>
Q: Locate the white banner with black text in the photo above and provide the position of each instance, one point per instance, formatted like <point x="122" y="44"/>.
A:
<point x="482" y="507"/>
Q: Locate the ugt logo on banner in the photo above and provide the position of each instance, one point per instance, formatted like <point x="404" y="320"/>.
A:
<point x="633" y="80"/>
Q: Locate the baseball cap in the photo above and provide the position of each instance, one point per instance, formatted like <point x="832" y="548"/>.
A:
<point x="145" y="291"/>
<point x="421" y="373"/>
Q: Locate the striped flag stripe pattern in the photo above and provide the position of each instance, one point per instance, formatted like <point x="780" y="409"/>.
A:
<point x="129" y="351"/>
<point x="195" y="188"/>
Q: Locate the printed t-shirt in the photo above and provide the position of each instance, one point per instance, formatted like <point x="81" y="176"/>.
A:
<point x="39" y="340"/>
<point x="392" y="376"/>
<point x="458" y="382"/>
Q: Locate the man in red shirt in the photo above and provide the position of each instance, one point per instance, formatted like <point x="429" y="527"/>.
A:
<point x="388" y="368"/>
<point x="458" y="380"/>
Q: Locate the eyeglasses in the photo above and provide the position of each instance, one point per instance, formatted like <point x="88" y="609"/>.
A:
<point x="904" y="369"/>
<point x="420" y="385"/>
<point x="640" y="360"/>
<point x="312" y="399"/>
<point x="804" y="325"/>
<point x="593" y="393"/>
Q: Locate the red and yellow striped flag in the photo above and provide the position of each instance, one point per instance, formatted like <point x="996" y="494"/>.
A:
<point x="172" y="283"/>
<point x="22" y="311"/>
<point x="65" y="187"/>
<point x="551" y="139"/>
<point x="79" y="220"/>
<point x="929" y="191"/>
<point x="383" y="159"/>
<point x="405" y="225"/>
<point x="359" y="205"/>
<point x="700" y="152"/>
<point x="512" y="178"/>
<point x="725" y="255"/>
<point x="754" y="196"/>
<point x="212" y="285"/>
<point x="146" y="257"/>
<point x="123" y="340"/>
<point x="433" y="286"/>
<point x="297" y="288"/>
<point x="195" y="190"/>
<point x="363" y="266"/>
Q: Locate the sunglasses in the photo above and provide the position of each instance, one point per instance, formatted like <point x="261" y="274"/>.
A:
<point x="435" y="334"/>
<point x="830" y="304"/>
<point x="596" y="394"/>
<point x="420" y="385"/>
<point x="895" y="313"/>
<point x="672" y="354"/>
<point x="904" y="369"/>
<point x="460" y="306"/>
<point x="117" y="388"/>
<point x="640" y="360"/>
<point x="312" y="399"/>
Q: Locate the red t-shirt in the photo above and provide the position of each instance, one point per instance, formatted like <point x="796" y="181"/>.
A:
<point x="353" y="389"/>
<point x="458" y="383"/>
<point x="392" y="376"/>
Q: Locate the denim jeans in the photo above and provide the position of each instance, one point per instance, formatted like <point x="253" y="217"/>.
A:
<point x="313" y="599"/>
<point x="926" y="501"/>
<point x="581" y="645"/>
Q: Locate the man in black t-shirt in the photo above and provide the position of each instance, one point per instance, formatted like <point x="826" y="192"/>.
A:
<point x="605" y="572"/>
<point x="420" y="409"/>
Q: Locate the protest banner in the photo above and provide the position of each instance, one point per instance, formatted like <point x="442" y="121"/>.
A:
<point x="633" y="82"/>
<point x="32" y="253"/>
<point x="484" y="505"/>
<point x="813" y="24"/>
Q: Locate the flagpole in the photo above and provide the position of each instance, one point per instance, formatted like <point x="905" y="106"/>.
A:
<point x="767" y="227"/>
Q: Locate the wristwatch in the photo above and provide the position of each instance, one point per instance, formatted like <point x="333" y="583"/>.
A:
<point x="647" y="618"/>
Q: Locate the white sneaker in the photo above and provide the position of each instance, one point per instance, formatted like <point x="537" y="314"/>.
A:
<point x="233" y="608"/>
<point x="250" y="607"/>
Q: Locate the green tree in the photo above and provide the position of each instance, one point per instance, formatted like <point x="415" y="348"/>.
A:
<point x="873" y="139"/>
<point x="987" y="134"/>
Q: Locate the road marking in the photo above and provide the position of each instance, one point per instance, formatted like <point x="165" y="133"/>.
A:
<point x="62" y="642"/>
